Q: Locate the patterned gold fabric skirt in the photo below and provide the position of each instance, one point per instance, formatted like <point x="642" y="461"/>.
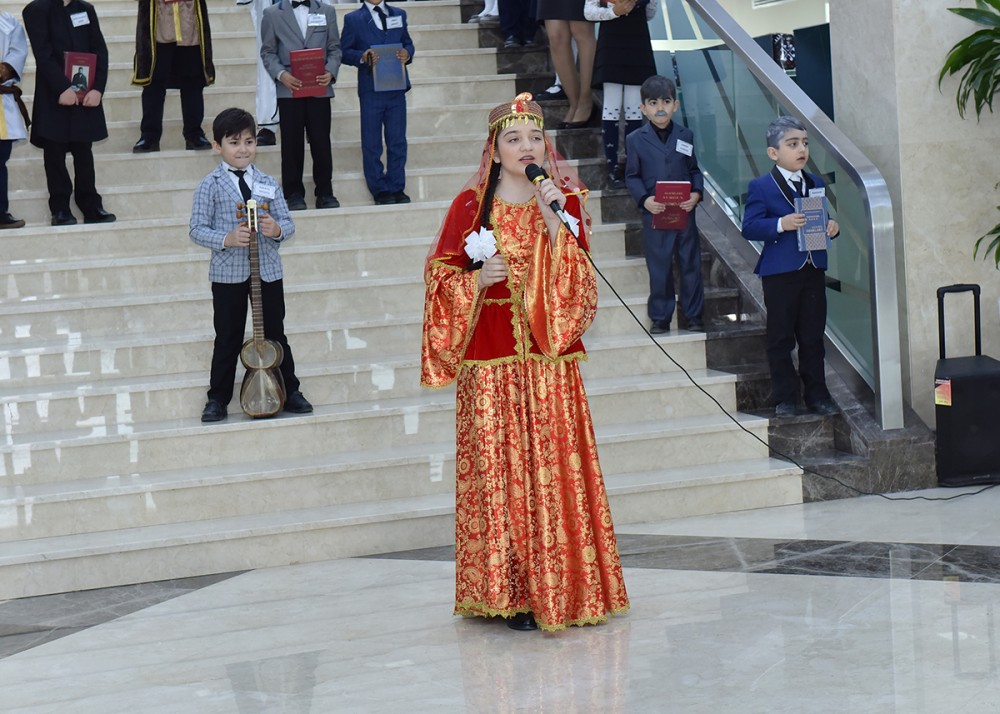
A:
<point x="533" y="527"/>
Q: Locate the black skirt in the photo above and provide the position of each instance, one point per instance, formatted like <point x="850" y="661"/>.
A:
<point x="624" y="51"/>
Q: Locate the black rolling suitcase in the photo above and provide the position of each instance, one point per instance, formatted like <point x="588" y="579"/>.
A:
<point x="967" y="408"/>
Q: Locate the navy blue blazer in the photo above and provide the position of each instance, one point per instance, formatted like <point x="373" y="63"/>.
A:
<point x="650" y="160"/>
<point x="361" y="32"/>
<point x="769" y="197"/>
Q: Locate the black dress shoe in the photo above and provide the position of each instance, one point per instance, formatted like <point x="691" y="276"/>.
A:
<point x="523" y="621"/>
<point x="785" y="410"/>
<point x="824" y="407"/>
<point x="327" y="202"/>
<point x="63" y="218"/>
<point x="214" y="411"/>
<point x="100" y="216"/>
<point x="696" y="326"/>
<point x="400" y="197"/>
<point x="384" y="198"/>
<point x="144" y="146"/>
<point x="659" y="327"/>
<point x="297" y="404"/>
<point x="8" y="221"/>
<point x="550" y="96"/>
<point x="199" y="144"/>
<point x="296" y="203"/>
<point x="266" y="137"/>
<point x="512" y="41"/>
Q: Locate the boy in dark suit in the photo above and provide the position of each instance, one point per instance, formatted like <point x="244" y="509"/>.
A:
<point x="298" y="25"/>
<point x="663" y="150"/>
<point x="793" y="281"/>
<point x="375" y="23"/>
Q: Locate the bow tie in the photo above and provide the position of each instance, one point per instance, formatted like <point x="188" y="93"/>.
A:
<point x="299" y="3"/>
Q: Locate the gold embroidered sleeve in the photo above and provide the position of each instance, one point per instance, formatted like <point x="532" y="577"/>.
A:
<point x="450" y="306"/>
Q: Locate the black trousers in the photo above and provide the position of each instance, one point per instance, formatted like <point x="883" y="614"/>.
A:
<point x="5" y="149"/>
<point x="796" y="314"/>
<point x="230" y="301"/>
<point x="184" y="65"/>
<point x="58" y="181"/>
<point x="308" y="116"/>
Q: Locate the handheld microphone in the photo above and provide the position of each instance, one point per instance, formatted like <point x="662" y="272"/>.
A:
<point x="536" y="174"/>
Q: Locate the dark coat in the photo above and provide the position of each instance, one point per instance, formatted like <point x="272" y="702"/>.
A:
<point x="144" y="61"/>
<point x="360" y="33"/>
<point x="51" y="33"/>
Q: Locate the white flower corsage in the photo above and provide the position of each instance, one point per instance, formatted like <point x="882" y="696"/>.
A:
<point x="573" y="223"/>
<point x="481" y="245"/>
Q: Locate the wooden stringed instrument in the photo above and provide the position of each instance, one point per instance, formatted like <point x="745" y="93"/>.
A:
<point x="263" y="390"/>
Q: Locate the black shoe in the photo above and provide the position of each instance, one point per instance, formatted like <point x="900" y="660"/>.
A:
<point x="8" y="221"/>
<point x="785" y="410"/>
<point x="144" y="146"/>
<point x="199" y="144"/>
<point x="296" y="203"/>
<point x="214" y="411"/>
<point x="523" y="621"/>
<point x="63" y="218"/>
<point x="530" y="42"/>
<point x="266" y="137"/>
<point x="615" y="181"/>
<point x="696" y="326"/>
<point x="549" y="96"/>
<point x="297" y="404"/>
<point x="400" y="197"/>
<point x="100" y="216"/>
<point x="327" y="202"/>
<point x="824" y="407"/>
<point x="384" y="198"/>
<point x="512" y="41"/>
<point x="659" y="327"/>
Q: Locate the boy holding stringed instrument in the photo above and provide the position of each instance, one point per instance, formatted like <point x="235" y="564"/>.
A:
<point x="234" y="206"/>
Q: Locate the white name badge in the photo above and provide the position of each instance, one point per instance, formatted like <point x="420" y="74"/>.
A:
<point x="316" y="20"/>
<point x="79" y="19"/>
<point x="817" y="191"/>
<point x="394" y="23"/>
<point x="684" y="148"/>
<point x="265" y="191"/>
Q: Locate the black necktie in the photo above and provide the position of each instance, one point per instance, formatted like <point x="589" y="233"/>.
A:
<point x="381" y="16"/>
<point x="797" y="183"/>
<point x="244" y="189"/>
<point x="299" y="3"/>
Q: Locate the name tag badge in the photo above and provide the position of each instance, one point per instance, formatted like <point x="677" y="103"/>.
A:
<point x="817" y="191"/>
<point x="684" y="148"/>
<point x="394" y="23"/>
<point x="316" y="20"/>
<point x="265" y="191"/>
<point x="79" y="19"/>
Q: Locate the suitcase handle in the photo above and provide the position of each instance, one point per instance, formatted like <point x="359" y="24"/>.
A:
<point x="959" y="288"/>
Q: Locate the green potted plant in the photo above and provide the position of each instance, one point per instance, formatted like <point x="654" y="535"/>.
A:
<point x="979" y="56"/>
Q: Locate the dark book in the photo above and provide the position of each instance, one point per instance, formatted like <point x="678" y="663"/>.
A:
<point x="672" y="193"/>
<point x="80" y="68"/>
<point x="812" y="236"/>
<point x="307" y="65"/>
<point x="389" y="72"/>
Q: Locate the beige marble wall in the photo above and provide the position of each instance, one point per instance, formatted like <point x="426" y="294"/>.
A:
<point x="941" y="169"/>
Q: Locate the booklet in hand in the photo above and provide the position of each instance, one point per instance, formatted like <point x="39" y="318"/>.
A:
<point x="307" y="65"/>
<point x="80" y="68"/>
<point x="389" y="72"/>
<point x="672" y="193"/>
<point x="812" y="236"/>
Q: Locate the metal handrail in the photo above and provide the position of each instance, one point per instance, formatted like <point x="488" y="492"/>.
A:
<point x="887" y="366"/>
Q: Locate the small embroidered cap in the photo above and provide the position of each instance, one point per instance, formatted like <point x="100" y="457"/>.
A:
<point x="522" y="110"/>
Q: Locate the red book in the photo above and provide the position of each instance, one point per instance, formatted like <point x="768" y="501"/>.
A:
<point x="80" y="68"/>
<point x="672" y="193"/>
<point x="307" y="65"/>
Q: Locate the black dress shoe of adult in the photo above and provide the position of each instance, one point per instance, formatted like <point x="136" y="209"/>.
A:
<point x="100" y="216"/>
<point x="295" y="403"/>
<point x="266" y="137"/>
<point x="327" y="202"/>
<point x="8" y="221"/>
<point x="523" y="621"/>
<point x="785" y="410"/>
<point x="144" y="146"/>
<point x="296" y="203"/>
<point x="384" y="198"/>
<point x="696" y="326"/>
<point x="659" y="327"/>
<point x="512" y="41"/>
<point x="400" y="197"/>
<point x="63" y="218"/>
<point x="214" y="411"/>
<point x="824" y="407"/>
<point x="199" y="144"/>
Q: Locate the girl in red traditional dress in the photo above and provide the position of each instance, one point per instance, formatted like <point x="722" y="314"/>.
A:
<point x="510" y="292"/>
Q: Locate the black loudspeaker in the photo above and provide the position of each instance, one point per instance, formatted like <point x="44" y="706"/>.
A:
<point x="967" y="408"/>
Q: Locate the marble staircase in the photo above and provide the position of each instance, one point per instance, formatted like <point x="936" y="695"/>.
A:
<point x="108" y="476"/>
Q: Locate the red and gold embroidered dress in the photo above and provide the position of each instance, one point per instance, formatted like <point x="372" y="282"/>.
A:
<point x="533" y="528"/>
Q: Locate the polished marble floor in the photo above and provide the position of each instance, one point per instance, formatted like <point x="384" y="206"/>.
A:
<point x="861" y="605"/>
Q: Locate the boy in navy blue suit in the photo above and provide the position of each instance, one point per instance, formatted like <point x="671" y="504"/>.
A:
<point x="663" y="150"/>
<point x="794" y="281"/>
<point x="375" y="23"/>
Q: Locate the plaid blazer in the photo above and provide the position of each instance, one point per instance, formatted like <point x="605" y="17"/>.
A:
<point x="213" y="215"/>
